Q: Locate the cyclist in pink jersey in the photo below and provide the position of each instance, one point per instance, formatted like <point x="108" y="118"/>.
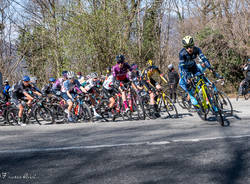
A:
<point x="121" y="75"/>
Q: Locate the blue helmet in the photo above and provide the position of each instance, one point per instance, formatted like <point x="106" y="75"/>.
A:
<point x="26" y="78"/>
<point x="52" y="79"/>
<point x="64" y="73"/>
<point x="120" y="59"/>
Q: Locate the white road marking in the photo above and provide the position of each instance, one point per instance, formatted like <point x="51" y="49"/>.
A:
<point x="119" y="145"/>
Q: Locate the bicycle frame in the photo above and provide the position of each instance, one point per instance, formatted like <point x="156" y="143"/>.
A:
<point x="205" y="102"/>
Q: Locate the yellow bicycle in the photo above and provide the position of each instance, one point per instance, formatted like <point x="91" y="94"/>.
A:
<point x="165" y="104"/>
<point x="207" y="99"/>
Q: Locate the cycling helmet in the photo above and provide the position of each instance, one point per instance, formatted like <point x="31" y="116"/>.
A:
<point x="150" y="62"/>
<point x="52" y="79"/>
<point x="26" y="78"/>
<point x="64" y="72"/>
<point x="134" y="67"/>
<point x="79" y="73"/>
<point x="170" y="67"/>
<point x="188" y="41"/>
<point x="120" y="59"/>
<point x="94" y="75"/>
<point x="6" y="81"/>
<point x="70" y="75"/>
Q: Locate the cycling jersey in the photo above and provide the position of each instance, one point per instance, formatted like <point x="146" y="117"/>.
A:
<point x="121" y="74"/>
<point x="187" y="62"/>
<point x="247" y="68"/>
<point x="90" y="83"/>
<point x="6" y="89"/>
<point x="108" y="83"/>
<point x="173" y="77"/>
<point x="81" y="79"/>
<point x="135" y="78"/>
<point x="20" y="88"/>
<point x="148" y="73"/>
<point x="58" y="85"/>
<point x="72" y="87"/>
<point x="48" y="89"/>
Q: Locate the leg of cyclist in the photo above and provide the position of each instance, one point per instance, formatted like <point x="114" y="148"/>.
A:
<point x="70" y="103"/>
<point x="20" y="115"/>
<point x="174" y="92"/>
<point x="20" y="110"/>
<point x="123" y="93"/>
<point x="184" y="86"/>
<point x="70" y="106"/>
<point x="154" y="85"/>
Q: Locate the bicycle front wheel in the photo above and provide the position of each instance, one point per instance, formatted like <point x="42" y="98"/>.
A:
<point x="169" y="106"/>
<point x="44" y="116"/>
<point x="85" y="113"/>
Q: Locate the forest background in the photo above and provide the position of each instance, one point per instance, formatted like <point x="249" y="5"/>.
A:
<point x="44" y="37"/>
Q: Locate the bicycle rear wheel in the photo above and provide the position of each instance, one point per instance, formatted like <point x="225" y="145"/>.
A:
<point x="200" y="109"/>
<point x="137" y="108"/>
<point x="224" y="103"/>
<point x="182" y="100"/>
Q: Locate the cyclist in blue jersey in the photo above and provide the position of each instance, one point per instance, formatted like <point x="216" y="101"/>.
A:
<point x="6" y="94"/>
<point x="188" y="66"/>
<point x="71" y="88"/>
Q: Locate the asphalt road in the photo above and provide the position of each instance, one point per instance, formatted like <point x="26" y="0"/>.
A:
<point x="183" y="150"/>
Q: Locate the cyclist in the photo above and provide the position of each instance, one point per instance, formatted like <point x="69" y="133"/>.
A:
<point x="49" y="88"/>
<point x="173" y="78"/>
<point x="6" y="88"/>
<point x="80" y="77"/>
<point x="109" y="90"/>
<point x="71" y="88"/>
<point x="91" y="87"/>
<point x="150" y="84"/>
<point x="121" y="77"/>
<point x="188" y="66"/>
<point x="23" y="90"/>
<point x="58" y="85"/>
<point x="245" y="83"/>
<point x="136" y="78"/>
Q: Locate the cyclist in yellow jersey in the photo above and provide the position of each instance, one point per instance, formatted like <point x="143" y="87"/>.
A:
<point x="149" y="83"/>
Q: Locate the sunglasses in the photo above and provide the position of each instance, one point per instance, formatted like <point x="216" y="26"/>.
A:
<point x="189" y="47"/>
<point x="120" y="62"/>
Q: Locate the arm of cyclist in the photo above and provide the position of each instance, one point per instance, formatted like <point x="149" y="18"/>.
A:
<point x="28" y="96"/>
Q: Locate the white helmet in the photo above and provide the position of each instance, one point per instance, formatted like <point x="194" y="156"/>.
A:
<point x="70" y="75"/>
<point x="170" y="67"/>
<point x="93" y="75"/>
